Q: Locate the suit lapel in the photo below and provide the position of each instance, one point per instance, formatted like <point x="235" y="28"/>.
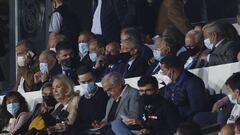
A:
<point x="122" y="99"/>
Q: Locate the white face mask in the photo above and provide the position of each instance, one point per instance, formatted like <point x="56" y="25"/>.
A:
<point x="232" y="99"/>
<point x="53" y="49"/>
<point x="43" y="67"/>
<point x="166" y="79"/>
<point x="21" y="61"/>
<point x="93" y="57"/>
<point x="83" y="48"/>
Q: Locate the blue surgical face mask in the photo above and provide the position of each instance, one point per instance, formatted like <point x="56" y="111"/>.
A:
<point x="232" y="99"/>
<point x="43" y="67"/>
<point x="13" y="108"/>
<point x="93" y="57"/>
<point x="83" y="48"/>
<point x="89" y="87"/>
<point x="208" y="44"/>
<point x="157" y="55"/>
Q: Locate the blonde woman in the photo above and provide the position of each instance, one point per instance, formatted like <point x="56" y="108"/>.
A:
<point x="66" y="108"/>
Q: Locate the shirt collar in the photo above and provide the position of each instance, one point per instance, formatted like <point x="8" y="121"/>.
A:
<point x="180" y="78"/>
<point x="219" y="43"/>
<point x="130" y="62"/>
<point x="124" y="89"/>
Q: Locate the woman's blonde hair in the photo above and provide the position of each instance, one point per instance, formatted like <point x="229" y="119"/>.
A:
<point x="66" y="83"/>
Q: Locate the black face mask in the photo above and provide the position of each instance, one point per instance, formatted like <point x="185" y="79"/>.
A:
<point x="49" y="100"/>
<point x="67" y="62"/>
<point x="193" y="51"/>
<point x="124" y="56"/>
<point x="111" y="59"/>
<point x="148" y="99"/>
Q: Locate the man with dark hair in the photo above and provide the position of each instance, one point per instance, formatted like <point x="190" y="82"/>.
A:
<point x="93" y="101"/>
<point x="186" y="91"/>
<point x="67" y="60"/>
<point x="233" y="87"/>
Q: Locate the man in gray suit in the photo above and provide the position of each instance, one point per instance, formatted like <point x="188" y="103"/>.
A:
<point x="223" y="49"/>
<point x="124" y="100"/>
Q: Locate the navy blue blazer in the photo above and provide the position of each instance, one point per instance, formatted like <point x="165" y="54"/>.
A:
<point x="138" y="68"/>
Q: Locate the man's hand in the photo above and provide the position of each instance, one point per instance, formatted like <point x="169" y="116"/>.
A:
<point x="97" y="124"/>
<point x="215" y="107"/>
<point x="37" y="77"/>
<point x="144" y="132"/>
<point x="99" y="62"/>
<point x="132" y="121"/>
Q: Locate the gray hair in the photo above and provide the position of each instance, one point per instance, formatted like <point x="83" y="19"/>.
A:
<point x="114" y="78"/>
<point x="133" y="35"/>
<point x="214" y="27"/>
<point x="198" y="36"/>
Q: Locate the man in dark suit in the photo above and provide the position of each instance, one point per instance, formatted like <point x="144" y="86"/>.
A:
<point x="48" y="68"/>
<point x="186" y="91"/>
<point x="131" y="43"/>
<point x="164" y="46"/>
<point x="195" y="48"/>
<point x="124" y="100"/>
<point x="68" y="63"/>
<point x="110" y="16"/>
<point x="222" y="50"/>
<point x="92" y="105"/>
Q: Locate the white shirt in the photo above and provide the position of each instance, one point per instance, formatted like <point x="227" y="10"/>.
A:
<point x="189" y="61"/>
<point x="55" y="23"/>
<point x="96" y="24"/>
<point x="234" y="114"/>
<point x="237" y="27"/>
<point x="130" y="62"/>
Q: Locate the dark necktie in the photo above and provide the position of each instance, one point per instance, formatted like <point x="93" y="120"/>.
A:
<point x="94" y="6"/>
<point x="112" y="112"/>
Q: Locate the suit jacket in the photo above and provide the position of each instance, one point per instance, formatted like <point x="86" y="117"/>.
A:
<point x="171" y="13"/>
<point x="138" y="68"/>
<point x="198" y="62"/>
<point x="225" y="52"/>
<point x="115" y="15"/>
<point x="151" y="67"/>
<point x="129" y="105"/>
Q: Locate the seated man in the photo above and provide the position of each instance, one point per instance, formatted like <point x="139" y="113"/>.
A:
<point x="112" y="61"/>
<point x="48" y="68"/>
<point x="131" y="43"/>
<point x="223" y="49"/>
<point x="92" y="104"/>
<point x="195" y="48"/>
<point x="186" y="91"/>
<point x="83" y="40"/>
<point x="160" y="116"/>
<point x="234" y="92"/>
<point x="164" y="46"/>
<point x="124" y="100"/>
<point x="27" y="65"/>
<point x="68" y="63"/>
